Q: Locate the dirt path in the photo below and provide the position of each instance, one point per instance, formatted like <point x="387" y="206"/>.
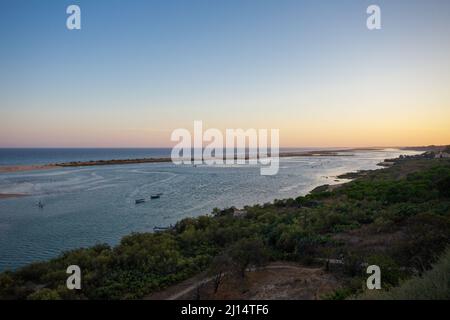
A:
<point x="278" y="280"/>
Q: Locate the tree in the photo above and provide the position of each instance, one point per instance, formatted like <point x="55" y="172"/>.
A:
<point x="248" y="253"/>
<point x="220" y="265"/>
<point x="198" y="290"/>
<point x="7" y="290"/>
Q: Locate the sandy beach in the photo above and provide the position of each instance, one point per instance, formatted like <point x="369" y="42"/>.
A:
<point x="19" y="168"/>
<point x="11" y="195"/>
<point x="6" y="169"/>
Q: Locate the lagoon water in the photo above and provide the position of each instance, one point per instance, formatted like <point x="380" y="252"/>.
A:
<point x="90" y="205"/>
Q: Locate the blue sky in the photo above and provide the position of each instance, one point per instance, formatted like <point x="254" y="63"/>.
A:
<point x="139" y="69"/>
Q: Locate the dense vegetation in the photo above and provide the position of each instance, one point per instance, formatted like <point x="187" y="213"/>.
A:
<point x="434" y="284"/>
<point x="406" y="205"/>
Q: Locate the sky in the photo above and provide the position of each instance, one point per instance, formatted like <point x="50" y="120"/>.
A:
<point x="137" y="70"/>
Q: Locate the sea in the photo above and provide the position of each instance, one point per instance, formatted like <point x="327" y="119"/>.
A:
<point x="84" y="206"/>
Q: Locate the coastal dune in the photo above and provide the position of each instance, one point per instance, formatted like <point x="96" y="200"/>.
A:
<point x="11" y="195"/>
<point x="7" y="169"/>
<point x="19" y="168"/>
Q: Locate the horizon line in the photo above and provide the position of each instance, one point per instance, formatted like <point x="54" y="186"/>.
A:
<point x="170" y="147"/>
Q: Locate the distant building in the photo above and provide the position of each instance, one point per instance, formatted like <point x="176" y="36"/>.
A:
<point x="442" y="155"/>
<point x="239" y="213"/>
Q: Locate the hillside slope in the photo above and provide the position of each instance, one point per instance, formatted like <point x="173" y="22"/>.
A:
<point x="396" y="217"/>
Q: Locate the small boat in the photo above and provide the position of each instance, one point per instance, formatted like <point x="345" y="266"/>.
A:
<point x="40" y="205"/>
<point x="139" y="201"/>
<point x="155" y="196"/>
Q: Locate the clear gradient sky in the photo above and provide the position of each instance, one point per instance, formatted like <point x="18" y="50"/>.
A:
<point x="139" y="69"/>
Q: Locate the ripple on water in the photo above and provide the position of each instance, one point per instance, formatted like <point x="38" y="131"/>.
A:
<point x="94" y="205"/>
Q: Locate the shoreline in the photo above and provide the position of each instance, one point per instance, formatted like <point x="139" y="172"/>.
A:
<point x="91" y="163"/>
<point x="31" y="167"/>
<point x="50" y="166"/>
<point x="368" y="232"/>
<point x="349" y="176"/>
<point x="331" y="153"/>
<point x="320" y="188"/>
<point x="11" y="195"/>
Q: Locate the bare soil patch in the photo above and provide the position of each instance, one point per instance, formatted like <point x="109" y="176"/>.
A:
<point x="279" y="280"/>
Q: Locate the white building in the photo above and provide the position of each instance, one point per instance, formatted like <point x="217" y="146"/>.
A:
<point x="441" y="155"/>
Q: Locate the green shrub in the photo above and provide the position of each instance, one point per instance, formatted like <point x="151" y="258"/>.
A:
<point x="443" y="187"/>
<point x="390" y="270"/>
<point x="44" y="294"/>
<point x="433" y="284"/>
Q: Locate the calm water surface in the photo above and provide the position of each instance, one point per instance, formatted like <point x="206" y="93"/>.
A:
<point x="86" y="206"/>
